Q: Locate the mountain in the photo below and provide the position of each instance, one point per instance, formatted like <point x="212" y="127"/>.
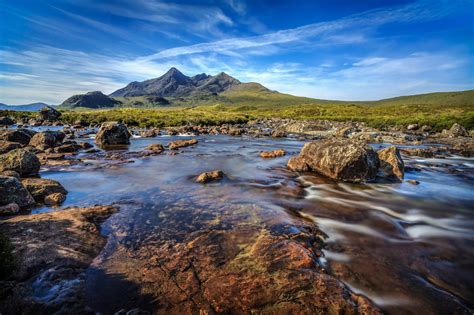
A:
<point x="175" y="84"/>
<point x="25" y="108"/>
<point x="94" y="99"/>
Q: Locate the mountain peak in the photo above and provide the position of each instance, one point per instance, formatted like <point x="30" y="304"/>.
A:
<point x="175" y="84"/>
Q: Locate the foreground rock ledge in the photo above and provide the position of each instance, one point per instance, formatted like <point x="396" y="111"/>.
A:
<point x="52" y="251"/>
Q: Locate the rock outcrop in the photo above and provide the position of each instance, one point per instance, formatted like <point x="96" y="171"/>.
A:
<point x="338" y="159"/>
<point x="21" y="161"/>
<point x="52" y="250"/>
<point x="112" y="133"/>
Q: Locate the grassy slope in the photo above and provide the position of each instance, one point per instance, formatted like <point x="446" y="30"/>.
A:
<point x="440" y="110"/>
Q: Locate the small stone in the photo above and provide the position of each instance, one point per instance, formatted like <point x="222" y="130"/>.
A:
<point x="272" y="154"/>
<point x="412" y="182"/>
<point x="54" y="199"/>
<point x="413" y="127"/>
<point x="210" y="176"/>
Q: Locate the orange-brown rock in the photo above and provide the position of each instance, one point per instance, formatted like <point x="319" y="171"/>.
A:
<point x="272" y="154"/>
<point x="181" y="143"/>
<point x="391" y="162"/>
<point x="210" y="176"/>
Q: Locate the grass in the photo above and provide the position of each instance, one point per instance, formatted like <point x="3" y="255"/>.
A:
<point x="438" y="110"/>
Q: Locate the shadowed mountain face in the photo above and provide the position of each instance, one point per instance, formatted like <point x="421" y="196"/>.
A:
<point x="175" y="84"/>
<point x="28" y="107"/>
<point x="94" y="99"/>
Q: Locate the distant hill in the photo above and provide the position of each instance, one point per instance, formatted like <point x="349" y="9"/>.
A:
<point x="94" y="99"/>
<point x="175" y="84"/>
<point x="34" y="107"/>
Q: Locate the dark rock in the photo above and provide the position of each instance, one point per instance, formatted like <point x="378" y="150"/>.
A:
<point x="10" y="174"/>
<point x="20" y="161"/>
<point x="112" y="133"/>
<point x="43" y="140"/>
<point x="22" y="136"/>
<point x="9" y="209"/>
<point x="6" y="121"/>
<point x="11" y="190"/>
<point x="49" y="113"/>
<point x="338" y="159"/>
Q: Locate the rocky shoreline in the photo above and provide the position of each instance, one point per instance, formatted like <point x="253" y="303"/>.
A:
<point x="274" y="268"/>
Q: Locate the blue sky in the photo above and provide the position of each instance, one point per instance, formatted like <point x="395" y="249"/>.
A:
<point x="339" y="49"/>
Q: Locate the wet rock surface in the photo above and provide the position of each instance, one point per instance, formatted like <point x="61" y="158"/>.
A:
<point x="272" y="154"/>
<point x="52" y="251"/>
<point x="207" y="177"/>
<point x="338" y="159"/>
<point x="391" y="162"/>
<point x="181" y="144"/>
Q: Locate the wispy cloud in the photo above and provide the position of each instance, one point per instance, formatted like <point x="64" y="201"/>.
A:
<point x="418" y="11"/>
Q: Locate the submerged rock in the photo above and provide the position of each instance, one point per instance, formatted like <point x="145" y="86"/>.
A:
<point x="21" y="161"/>
<point x="52" y="250"/>
<point x="12" y="191"/>
<point x="391" y="162"/>
<point x="338" y="159"/>
<point x="40" y="188"/>
<point x="181" y="143"/>
<point x="210" y="176"/>
<point x="112" y="133"/>
<point x="272" y="154"/>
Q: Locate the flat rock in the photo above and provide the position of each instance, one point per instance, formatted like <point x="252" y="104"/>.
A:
<point x="52" y="250"/>
<point x="272" y="154"/>
<point x="181" y="143"/>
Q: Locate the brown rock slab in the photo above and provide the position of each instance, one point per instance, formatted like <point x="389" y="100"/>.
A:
<point x="56" y="248"/>
<point x="181" y="144"/>
<point x="54" y="199"/>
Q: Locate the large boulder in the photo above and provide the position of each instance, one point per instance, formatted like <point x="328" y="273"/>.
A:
<point x="7" y="146"/>
<point x="49" y="113"/>
<point x="21" y="161"/>
<point x="456" y="131"/>
<point x="40" y="188"/>
<point x="43" y="140"/>
<point x="338" y="159"/>
<point x="391" y="163"/>
<point x="6" y="121"/>
<point x="111" y="133"/>
<point x="22" y="136"/>
<point x="12" y="191"/>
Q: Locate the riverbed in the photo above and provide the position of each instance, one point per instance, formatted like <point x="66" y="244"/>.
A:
<point x="406" y="247"/>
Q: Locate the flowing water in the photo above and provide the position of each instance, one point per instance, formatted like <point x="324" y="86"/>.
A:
<point x="408" y="248"/>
